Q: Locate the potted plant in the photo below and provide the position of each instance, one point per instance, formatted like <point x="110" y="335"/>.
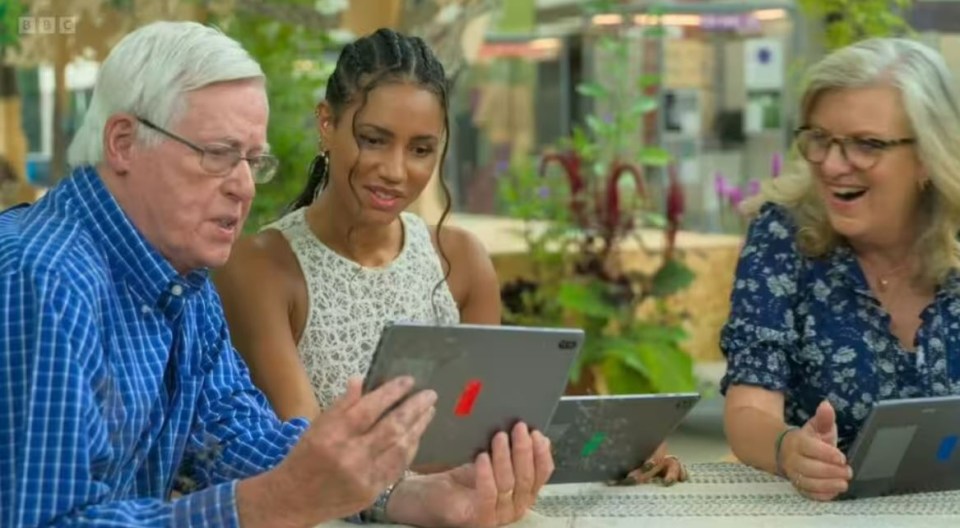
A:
<point x="580" y="205"/>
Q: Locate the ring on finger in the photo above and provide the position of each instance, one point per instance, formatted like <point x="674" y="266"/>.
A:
<point x="683" y="468"/>
<point x="505" y="494"/>
<point x="797" y="480"/>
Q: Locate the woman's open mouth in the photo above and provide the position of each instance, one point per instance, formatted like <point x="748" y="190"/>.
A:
<point x="382" y="198"/>
<point x="848" y="194"/>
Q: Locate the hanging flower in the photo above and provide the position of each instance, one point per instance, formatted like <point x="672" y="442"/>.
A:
<point x="675" y="197"/>
<point x="613" y="214"/>
<point x="570" y="164"/>
<point x="675" y="207"/>
<point x="607" y="215"/>
<point x="720" y="184"/>
<point x="735" y="196"/>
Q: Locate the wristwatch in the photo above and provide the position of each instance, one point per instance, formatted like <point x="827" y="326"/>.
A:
<point x="377" y="512"/>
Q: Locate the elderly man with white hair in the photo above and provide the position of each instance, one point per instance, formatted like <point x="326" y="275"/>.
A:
<point x="117" y="371"/>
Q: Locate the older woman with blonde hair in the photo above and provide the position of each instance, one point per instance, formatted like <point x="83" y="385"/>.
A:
<point x="847" y="289"/>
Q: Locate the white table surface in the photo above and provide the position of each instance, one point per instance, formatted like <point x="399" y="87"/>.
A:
<point x="721" y="495"/>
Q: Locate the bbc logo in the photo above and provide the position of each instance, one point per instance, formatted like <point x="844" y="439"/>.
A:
<point x="47" y="25"/>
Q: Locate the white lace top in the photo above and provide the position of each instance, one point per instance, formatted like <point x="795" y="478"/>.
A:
<point x="348" y="304"/>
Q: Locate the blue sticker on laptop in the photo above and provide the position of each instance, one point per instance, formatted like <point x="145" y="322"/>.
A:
<point x="947" y="445"/>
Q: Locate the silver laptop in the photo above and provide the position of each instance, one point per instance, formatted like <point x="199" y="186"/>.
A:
<point x="487" y="378"/>
<point x="602" y="438"/>
<point x="907" y="446"/>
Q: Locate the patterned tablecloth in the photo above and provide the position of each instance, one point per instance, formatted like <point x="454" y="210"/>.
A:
<point x="719" y="495"/>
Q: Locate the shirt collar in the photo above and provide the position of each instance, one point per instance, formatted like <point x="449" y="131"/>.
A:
<point x="146" y="272"/>
<point x="843" y="264"/>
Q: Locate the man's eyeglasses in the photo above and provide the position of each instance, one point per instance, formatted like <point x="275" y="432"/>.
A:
<point x="863" y="153"/>
<point x="220" y="160"/>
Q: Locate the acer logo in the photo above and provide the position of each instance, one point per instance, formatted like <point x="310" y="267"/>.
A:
<point x="567" y="344"/>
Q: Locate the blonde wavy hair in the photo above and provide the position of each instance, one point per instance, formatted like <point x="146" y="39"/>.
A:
<point x="932" y="104"/>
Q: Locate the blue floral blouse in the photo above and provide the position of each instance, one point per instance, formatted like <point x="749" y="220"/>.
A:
<point x="813" y="330"/>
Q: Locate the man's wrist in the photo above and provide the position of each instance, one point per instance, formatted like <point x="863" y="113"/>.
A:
<point x="379" y="512"/>
<point x="257" y="506"/>
<point x="407" y="504"/>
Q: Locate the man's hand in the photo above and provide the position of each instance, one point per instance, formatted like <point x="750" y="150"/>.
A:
<point x="350" y="454"/>
<point x="493" y="491"/>
<point x="811" y="460"/>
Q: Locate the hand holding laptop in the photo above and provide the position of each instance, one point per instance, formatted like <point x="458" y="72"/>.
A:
<point x="660" y="464"/>
<point x="497" y="489"/>
<point x="347" y="457"/>
<point x="607" y="438"/>
<point x="811" y="460"/>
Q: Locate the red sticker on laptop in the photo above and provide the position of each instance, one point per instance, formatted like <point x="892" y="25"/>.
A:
<point x="468" y="397"/>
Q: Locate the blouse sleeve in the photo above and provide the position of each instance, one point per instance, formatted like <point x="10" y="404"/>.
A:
<point x="761" y="333"/>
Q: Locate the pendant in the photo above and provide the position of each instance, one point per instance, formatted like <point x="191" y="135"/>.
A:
<point x="883" y="284"/>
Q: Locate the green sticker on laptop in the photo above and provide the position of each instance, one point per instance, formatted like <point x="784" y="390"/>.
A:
<point x="593" y="444"/>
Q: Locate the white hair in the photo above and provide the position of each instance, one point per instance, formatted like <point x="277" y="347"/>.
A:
<point x="148" y="73"/>
<point x="931" y="102"/>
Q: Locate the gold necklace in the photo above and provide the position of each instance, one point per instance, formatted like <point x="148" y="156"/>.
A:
<point x="883" y="281"/>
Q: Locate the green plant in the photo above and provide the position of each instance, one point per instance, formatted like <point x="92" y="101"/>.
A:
<point x="575" y="223"/>
<point x="847" y="21"/>
<point x="10" y="13"/>
<point x="292" y="57"/>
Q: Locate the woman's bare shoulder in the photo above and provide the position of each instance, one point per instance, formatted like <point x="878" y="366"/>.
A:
<point x="459" y="244"/>
<point x="264" y="257"/>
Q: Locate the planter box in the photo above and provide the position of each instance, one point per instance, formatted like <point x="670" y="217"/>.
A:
<point x="712" y="257"/>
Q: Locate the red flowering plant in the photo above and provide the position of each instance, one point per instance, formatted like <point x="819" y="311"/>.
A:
<point x="583" y="205"/>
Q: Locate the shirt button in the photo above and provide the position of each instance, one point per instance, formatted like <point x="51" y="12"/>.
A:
<point x="177" y="290"/>
<point x="145" y="309"/>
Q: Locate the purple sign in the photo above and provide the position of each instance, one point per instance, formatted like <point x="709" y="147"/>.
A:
<point x="741" y="22"/>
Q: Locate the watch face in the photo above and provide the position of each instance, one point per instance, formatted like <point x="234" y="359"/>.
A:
<point x="377" y="513"/>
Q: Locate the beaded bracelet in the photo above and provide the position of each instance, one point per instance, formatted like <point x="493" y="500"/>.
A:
<point x="778" y="444"/>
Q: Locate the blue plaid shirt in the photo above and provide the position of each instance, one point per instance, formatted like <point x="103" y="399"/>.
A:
<point x="114" y="371"/>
